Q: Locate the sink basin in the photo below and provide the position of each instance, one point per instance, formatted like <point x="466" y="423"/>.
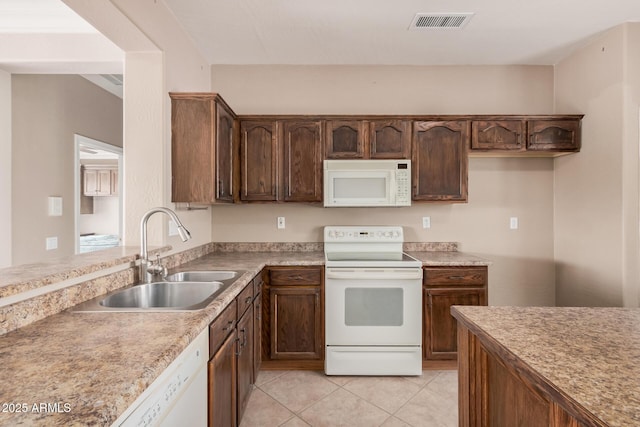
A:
<point x="170" y="295"/>
<point x="184" y="291"/>
<point x="202" y="276"/>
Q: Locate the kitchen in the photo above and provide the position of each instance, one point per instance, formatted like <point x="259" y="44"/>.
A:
<point x="555" y="200"/>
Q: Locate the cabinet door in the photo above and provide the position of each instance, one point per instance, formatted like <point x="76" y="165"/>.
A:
<point x="508" y="135"/>
<point x="222" y="385"/>
<point x="345" y="139"/>
<point x="439" y="160"/>
<point x="554" y="135"/>
<point x="302" y="174"/>
<point x="296" y="322"/>
<point x="224" y="154"/>
<point x="192" y="167"/>
<point x="257" y="327"/>
<point x="245" y="360"/>
<point x="440" y="328"/>
<point x="90" y="182"/>
<point x="390" y="139"/>
<point x="114" y="182"/>
<point x="259" y="160"/>
<point x="104" y="183"/>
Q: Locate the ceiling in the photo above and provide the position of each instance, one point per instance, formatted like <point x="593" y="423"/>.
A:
<point x="376" y="31"/>
<point x="47" y="36"/>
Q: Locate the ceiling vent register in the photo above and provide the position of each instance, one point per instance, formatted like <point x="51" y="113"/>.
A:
<point x="439" y="20"/>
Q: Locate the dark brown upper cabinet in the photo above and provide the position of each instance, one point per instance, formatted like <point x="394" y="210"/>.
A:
<point x="439" y="160"/>
<point x="390" y="139"/>
<point x="258" y="160"/>
<point x="540" y="136"/>
<point x="383" y="138"/>
<point x="345" y="139"/>
<point x="202" y="145"/>
<point x="498" y="135"/>
<point x="301" y="143"/>
<point x="554" y="135"/>
<point x="281" y="161"/>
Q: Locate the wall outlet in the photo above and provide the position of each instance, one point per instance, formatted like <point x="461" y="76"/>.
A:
<point x="281" y="224"/>
<point x="51" y="243"/>
<point x="426" y="222"/>
<point x="513" y="223"/>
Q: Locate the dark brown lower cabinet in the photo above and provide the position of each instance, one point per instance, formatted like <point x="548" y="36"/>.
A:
<point x="222" y="384"/>
<point x="232" y="358"/>
<point x="245" y="360"/>
<point x="498" y="391"/>
<point x="439" y="325"/>
<point x="293" y="318"/>
<point x="444" y="287"/>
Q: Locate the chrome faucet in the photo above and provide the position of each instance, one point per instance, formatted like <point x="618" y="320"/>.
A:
<point x="149" y="269"/>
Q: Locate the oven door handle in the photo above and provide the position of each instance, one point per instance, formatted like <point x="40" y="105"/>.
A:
<point x="373" y="273"/>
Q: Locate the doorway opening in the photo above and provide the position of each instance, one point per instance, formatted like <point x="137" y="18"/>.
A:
<point x="98" y="197"/>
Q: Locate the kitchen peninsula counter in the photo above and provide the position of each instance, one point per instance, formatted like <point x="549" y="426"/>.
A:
<point x="90" y="367"/>
<point x="539" y="366"/>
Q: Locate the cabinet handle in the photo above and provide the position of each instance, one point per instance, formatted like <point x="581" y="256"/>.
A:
<point x="229" y="326"/>
<point x="456" y="277"/>
<point x="248" y="300"/>
<point x="238" y="351"/>
<point x="244" y="337"/>
<point x="220" y="188"/>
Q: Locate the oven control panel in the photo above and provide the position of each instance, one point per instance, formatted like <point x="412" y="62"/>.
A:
<point x="385" y="234"/>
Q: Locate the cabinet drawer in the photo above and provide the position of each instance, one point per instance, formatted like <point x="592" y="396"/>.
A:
<point x="473" y="276"/>
<point x="221" y="327"/>
<point x="245" y="299"/>
<point x="295" y="276"/>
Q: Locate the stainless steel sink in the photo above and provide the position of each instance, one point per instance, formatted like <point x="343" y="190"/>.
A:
<point x="185" y="291"/>
<point x="170" y="295"/>
<point x="202" y="276"/>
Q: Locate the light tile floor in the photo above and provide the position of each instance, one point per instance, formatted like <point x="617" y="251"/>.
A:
<point x="310" y="398"/>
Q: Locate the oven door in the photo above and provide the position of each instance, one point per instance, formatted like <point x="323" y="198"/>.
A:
<point x="373" y="306"/>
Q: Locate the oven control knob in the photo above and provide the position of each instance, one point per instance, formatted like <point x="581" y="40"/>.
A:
<point x="340" y="234"/>
<point x="332" y="234"/>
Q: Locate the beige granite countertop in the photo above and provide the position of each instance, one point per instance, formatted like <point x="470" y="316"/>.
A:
<point x="99" y="363"/>
<point x="590" y="355"/>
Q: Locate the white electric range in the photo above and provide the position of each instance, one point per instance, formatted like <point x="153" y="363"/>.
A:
<point x="373" y="302"/>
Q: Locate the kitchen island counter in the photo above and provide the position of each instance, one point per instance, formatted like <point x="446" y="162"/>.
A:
<point x="579" y="364"/>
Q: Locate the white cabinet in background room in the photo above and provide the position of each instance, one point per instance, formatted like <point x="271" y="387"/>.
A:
<point x="100" y="180"/>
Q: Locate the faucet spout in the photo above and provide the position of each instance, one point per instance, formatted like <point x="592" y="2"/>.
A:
<point x="147" y="268"/>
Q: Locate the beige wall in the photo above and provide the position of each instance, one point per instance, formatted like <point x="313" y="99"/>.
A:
<point x="523" y="271"/>
<point x="596" y="192"/>
<point x="5" y="168"/>
<point x="47" y="110"/>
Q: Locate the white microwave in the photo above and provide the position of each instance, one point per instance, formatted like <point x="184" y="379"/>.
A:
<point x="362" y="183"/>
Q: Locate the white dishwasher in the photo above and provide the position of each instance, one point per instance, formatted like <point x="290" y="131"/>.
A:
<point x="178" y="396"/>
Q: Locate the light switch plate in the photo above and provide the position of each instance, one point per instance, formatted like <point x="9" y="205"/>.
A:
<point x="281" y="223"/>
<point x="55" y="206"/>
<point x="513" y="223"/>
